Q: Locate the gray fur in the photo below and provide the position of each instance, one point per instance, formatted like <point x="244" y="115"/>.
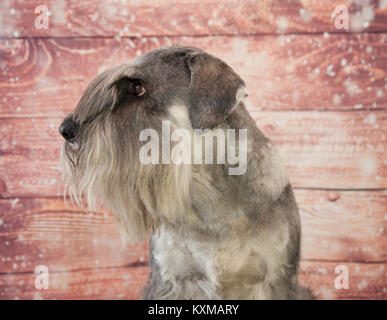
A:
<point x="214" y="235"/>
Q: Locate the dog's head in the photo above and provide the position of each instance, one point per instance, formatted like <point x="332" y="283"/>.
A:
<point x="100" y="155"/>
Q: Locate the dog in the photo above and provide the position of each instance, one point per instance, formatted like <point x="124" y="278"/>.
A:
<point x="214" y="235"/>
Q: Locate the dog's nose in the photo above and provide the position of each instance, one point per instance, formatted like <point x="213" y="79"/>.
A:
<point x="68" y="129"/>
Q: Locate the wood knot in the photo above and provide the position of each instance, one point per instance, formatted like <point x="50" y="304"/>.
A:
<point x="333" y="196"/>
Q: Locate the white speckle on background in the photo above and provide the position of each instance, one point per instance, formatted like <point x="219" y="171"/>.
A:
<point x="330" y="71"/>
<point x="362" y="284"/>
<point x="370" y="119"/>
<point x="282" y="23"/>
<point x="336" y="99"/>
<point x="368" y="166"/>
<point x="93" y="17"/>
<point x="351" y="87"/>
<point x="323" y="271"/>
<point x="306" y="15"/>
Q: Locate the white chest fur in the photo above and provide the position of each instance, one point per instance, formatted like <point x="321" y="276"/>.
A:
<point x="188" y="266"/>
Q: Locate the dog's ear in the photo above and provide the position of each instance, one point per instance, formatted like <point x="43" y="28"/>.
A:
<point x="215" y="90"/>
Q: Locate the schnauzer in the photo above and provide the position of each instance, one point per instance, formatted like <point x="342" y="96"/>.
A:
<point x="214" y="235"/>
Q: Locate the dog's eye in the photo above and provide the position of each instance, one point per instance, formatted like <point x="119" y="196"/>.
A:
<point x="139" y="89"/>
<point x="134" y="87"/>
<point x="126" y="87"/>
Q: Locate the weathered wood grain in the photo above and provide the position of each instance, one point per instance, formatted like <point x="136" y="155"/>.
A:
<point x="292" y="64"/>
<point x="103" y="283"/>
<point x="320" y="149"/>
<point x="343" y="226"/>
<point x="337" y="226"/>
<point x="366" y="281"/>
<point x="289" y="72"/>
<point x="188" y="17"/>
<point x="330" y="149"/>
<point x="63" y="237"/>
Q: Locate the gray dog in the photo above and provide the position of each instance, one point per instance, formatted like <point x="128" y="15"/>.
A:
<point x="214" y="235"/>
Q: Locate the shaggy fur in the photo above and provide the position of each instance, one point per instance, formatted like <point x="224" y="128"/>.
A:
<point x="213" y="235"/>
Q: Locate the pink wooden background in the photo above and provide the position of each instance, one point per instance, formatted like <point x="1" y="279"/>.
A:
<point x="320" y="93"/>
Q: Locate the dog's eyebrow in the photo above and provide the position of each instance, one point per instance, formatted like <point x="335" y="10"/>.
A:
<point x="93" y="117"/>
<point x="105" y="102"/>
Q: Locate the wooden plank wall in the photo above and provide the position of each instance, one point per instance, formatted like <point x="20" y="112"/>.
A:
<point x="318" y="92"/>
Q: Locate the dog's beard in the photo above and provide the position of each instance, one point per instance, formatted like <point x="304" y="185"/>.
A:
<point x="106" y="172"/>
